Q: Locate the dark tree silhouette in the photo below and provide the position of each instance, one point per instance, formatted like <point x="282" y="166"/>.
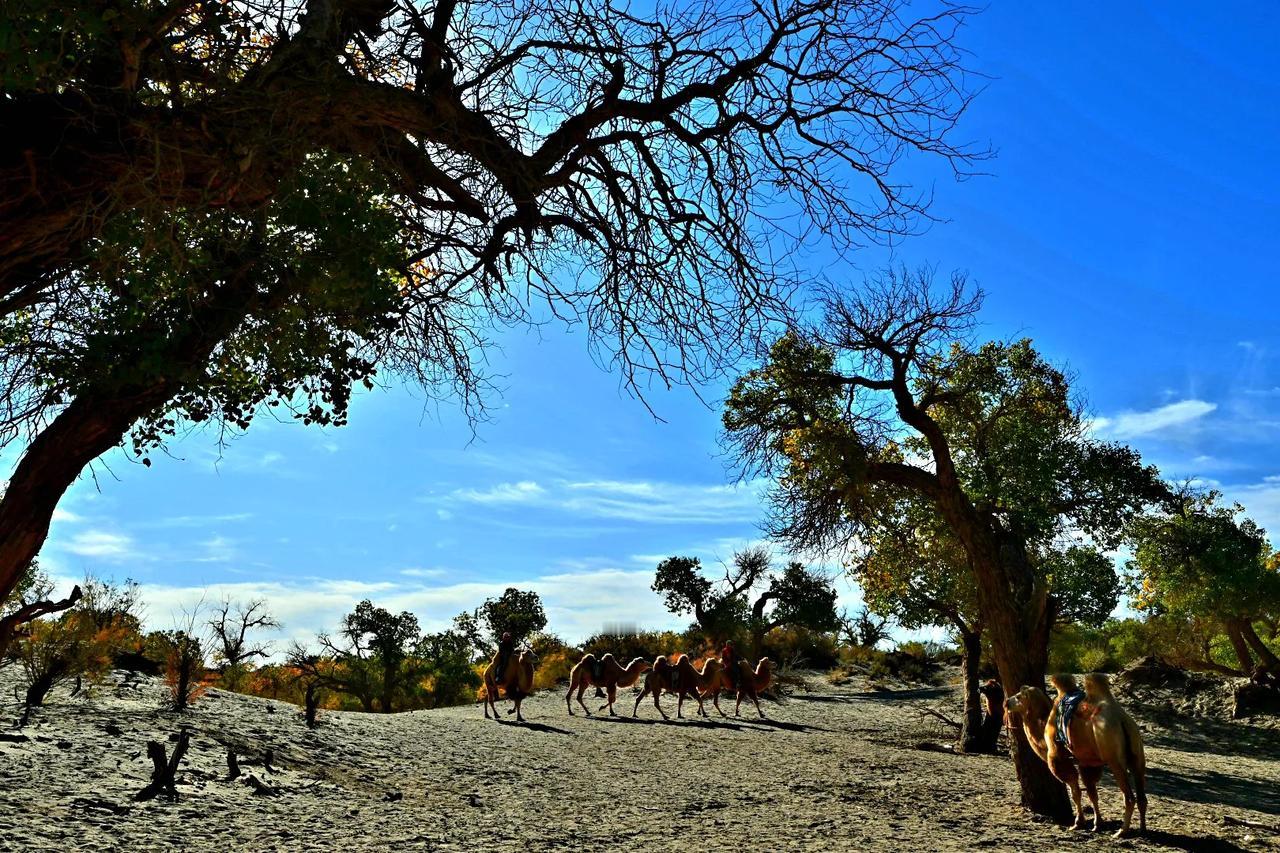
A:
<point x="797" y="596"/>
<point x="231" y="624"/>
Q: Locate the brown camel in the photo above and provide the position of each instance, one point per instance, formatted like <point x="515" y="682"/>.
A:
<point x="1100" y="734"/>
<point x="516" y="681"/>
<point x="681" y="678"/>
<point x="751" y="683"/>
<point x="603" y="672"/>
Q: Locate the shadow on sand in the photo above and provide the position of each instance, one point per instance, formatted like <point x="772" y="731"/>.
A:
<point x="537" y="727"/>
<point x="875" y="695"/>
<point x="1214" y="788"/>
<point x="1191" y="843"/>
<point x="1199" y="734"/>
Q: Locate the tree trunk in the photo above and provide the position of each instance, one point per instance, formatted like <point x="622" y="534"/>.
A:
<point x="1017" y="612"/>
<point x="100" y="416"/>
<point x="971" y="729"/>
<point x="1235" y="633"/>
<point x="1266" y="658"/>
<point x="81" y="432"/>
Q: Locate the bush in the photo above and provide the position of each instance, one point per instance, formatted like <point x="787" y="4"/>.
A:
<point x="809" y="649"/>
<point x="637" y="644"/>
<point x="183" y="659"/>
<point x="55" y="651"/>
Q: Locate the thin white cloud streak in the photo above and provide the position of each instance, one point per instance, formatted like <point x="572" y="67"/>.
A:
<point x="102" y="544"/>
<point x="634" y="501"/>
<point x="1162" y="419"/>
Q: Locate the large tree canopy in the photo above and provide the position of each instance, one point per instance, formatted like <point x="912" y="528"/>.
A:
<point x="1207" y="561"/>
<point x="888" y="398"/>
<point x="208" y="207"/>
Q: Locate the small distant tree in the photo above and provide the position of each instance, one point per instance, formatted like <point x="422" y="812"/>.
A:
<point x="372" y="656"/>
<point x="447" y="655"/>
<point x="797" y="597"/>
<point x="865" y="627"/>
<point x="467" y="624"/>
<point x="518" y="612"/>
<point x="231" y="624"/>
<point x="1206" y="561"/>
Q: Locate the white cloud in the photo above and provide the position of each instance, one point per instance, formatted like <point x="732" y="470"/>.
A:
<point x="503" y="493"/>
<point x="65" y="516"/>
<point x="200" y="520"/>
<point x="218" y="549"/>
<point x="635" y="501"/>
<point x="416" y="572"/>
<point x="1132" y="424"/>
<point x="100" y="543"/>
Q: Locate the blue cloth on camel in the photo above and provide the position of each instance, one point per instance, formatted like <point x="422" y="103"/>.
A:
<point x="1066" y="708"/>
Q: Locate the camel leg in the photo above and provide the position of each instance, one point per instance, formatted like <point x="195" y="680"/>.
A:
<point x="715" y="700"/>
<point x="1090" y="777"/>
<point x="1140" y="788"/>
<point x="738" y="707"/>
<point x="582" y="690"/>
<point x="519" y="719"/>
<point x="639" y="699"/>
<point x="567" y="703"/>
<point x="756" y="698"/>
<point x="1119" y="771"/>
<point x="657" y="692"/>
<point x="1066" y="772"/>
<point x="613" y="696"/>
<point x="680" y="706"/>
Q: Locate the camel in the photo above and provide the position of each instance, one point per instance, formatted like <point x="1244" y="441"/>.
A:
<point x="751" y="683"/>
<point x="516" y="681"/>
<point x="1100" y="734"/>
<point x="603" y="672"/>
<point x="681" y="678"/>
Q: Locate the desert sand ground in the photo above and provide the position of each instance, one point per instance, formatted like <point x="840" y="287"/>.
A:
<point x="839" y="768"/>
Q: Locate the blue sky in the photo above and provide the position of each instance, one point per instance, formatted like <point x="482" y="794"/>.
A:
<point x="1127" y="225"/>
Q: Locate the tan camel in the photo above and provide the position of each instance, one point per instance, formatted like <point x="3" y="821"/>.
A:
<point x="1100" y="734"/>
<point x="751" y="683"/>
<point x="516" y="681"/>
<point x="603" y="672"/>
<point x="681" y="678"/>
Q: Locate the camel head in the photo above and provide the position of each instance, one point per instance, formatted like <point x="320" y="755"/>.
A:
<point x="1097" y="686"/>
<point x="640" y="664"/>
<point x="1030" y="702"/>
<point x="1064" y="683"/>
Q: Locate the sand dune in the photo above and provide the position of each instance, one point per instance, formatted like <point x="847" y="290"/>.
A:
<point x="842" y="768"/>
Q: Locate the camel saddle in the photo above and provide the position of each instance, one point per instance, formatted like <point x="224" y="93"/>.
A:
<point x="675" y="678"/>
<point x="597" y="669"/>
<point x="1066" y="710"/>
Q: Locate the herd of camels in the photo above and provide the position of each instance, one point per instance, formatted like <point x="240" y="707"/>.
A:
<point x="1100" y="733"/>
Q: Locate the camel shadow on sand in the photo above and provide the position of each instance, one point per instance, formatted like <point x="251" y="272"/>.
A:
<point x="1190" y="843"/>
<point x="678" y="721"/>
<point x="537" y="727"/>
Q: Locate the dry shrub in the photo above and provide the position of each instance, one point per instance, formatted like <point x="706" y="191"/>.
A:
<point x="70" y="647"/>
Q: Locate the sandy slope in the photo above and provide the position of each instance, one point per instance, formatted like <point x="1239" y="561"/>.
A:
<point x="837" y="769"/>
